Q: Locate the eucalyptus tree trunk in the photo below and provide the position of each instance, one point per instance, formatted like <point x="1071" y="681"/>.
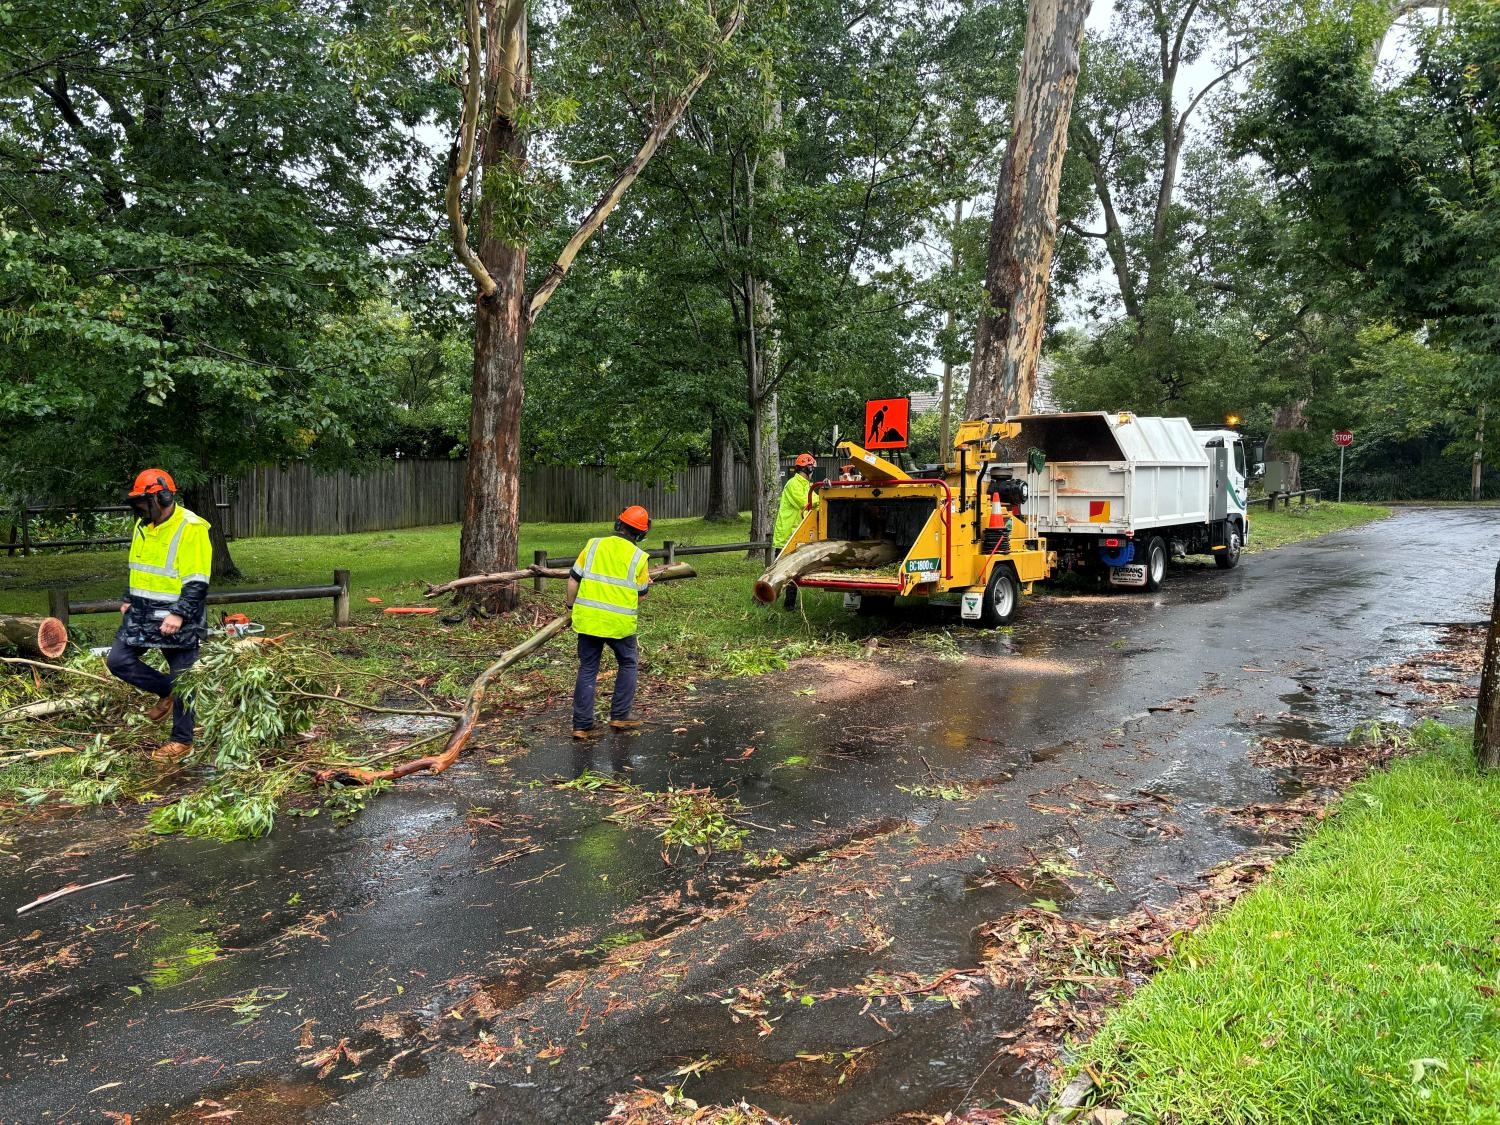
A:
<point x="1290" y="418"/>
<point x="765" y="465"/>
<point x="763" y="352"/>
<point x="492" y="497"/>
<point x="200" y="499"/>
<point x="723" y="497"/>
<point x="1002" y="379"/>
<point x="496" y="88"/>
<point x="1476" y="474"/>
<point x="945" y="447"/>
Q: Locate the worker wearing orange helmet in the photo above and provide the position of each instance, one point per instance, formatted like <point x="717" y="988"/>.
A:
<point x="170" y="562"/>
<point x="605" y="587"/>
<point x="795" y="498"/>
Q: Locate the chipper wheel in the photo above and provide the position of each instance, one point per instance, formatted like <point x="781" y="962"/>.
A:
<point x="1002" y="597"/>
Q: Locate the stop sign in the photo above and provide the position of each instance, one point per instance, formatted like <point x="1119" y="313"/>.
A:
<point x="1343" y="437"/>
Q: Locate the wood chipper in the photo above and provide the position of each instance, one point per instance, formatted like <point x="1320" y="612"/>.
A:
<point x="953" y="534"/>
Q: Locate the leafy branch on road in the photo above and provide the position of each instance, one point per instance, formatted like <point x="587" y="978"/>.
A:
<point x="694" y="818"/>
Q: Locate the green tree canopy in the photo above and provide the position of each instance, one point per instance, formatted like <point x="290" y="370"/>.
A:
<point x="195" y="196"/>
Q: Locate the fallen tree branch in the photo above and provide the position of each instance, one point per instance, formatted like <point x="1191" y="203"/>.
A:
<point x="661" y="573"/>
<point x="469" y="718"/>
<point x="71" y="889"/>
<point x="56" y="668"/>
<point x="45" y="707"/>
<point x="532" y="571"/>
<point x="372" y="707"/>
<point x="31" y="755"/>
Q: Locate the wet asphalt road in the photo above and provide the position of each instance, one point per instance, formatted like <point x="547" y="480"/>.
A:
<point x="488" y="947"/>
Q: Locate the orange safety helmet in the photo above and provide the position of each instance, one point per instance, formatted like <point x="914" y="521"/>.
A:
<point x="805" y="461"/>
<point x="150" y="481"/>
<point x="637" y="517"/>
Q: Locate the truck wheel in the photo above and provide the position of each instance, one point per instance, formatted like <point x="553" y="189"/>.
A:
<point x="1229" y="557"/>
<point x="1156" y="563"/>
<point x="1002" y="597"/>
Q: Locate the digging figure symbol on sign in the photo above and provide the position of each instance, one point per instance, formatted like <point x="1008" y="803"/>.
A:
<point x="886" y="423"/>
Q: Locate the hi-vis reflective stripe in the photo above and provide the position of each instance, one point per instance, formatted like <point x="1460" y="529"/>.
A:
<point x="628" y="611"/>
<point x="151" y="595"/>
<point x="169" y="569"/>
<point x="176" y="542"/>
<point x="630" y="583"/>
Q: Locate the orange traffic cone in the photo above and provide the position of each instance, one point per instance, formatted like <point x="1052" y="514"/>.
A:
<point x="997" y="513"/>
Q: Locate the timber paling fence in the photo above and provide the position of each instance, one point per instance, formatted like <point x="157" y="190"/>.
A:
<point x="297" y="500"/>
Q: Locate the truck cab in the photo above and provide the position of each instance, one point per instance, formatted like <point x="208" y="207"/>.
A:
<point x="1229" y="456"/>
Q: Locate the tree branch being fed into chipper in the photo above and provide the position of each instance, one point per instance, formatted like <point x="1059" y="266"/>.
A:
<point x="830" y="553"/>
<point x="469" y="716"/>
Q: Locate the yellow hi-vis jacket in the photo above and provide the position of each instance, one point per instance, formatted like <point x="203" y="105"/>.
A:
<point x="170" y="565"/>
<point x="612" y="574"/>
<point x="789" y="515"/>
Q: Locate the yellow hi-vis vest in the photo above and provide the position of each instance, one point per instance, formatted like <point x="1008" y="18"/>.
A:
<point x="793" y="504"/>
<point x="611" y="574"/>
<point x="164" y="556"/>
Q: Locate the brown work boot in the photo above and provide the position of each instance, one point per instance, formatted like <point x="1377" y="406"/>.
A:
<point x="169" y="752"/>
<point x="627" y="723"/>
<point x="582" y="733"/>
<point x="160" y="709"/>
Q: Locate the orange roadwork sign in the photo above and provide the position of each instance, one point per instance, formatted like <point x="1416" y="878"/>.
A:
<point x="887" y="423"/>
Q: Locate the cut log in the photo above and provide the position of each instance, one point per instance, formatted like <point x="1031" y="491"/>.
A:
<point x="828" y="555"/>
<point x="469" y="717"/>
<point x="46" y="637"/>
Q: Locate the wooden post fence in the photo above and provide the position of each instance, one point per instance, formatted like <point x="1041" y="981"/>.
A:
<point x="62" y="606"/>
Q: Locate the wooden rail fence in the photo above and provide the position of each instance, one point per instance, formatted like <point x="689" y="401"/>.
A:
<point x="62" y="606"/>
<point x="1286" y="498"/>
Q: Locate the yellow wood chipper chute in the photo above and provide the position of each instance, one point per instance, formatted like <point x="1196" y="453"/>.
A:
<point x="952" y="534"/>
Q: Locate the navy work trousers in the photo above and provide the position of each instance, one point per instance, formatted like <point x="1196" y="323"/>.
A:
<point x="590" y="649"/>
<point x="125" y="663"/>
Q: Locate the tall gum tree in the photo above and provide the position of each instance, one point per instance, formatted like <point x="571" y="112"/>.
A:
<point x="1023" y="230"/>
<point x="679" y="44"/>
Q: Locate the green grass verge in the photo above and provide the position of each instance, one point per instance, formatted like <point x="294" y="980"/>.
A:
<point x="708" y="626"/>
<point x="1269" y="530"/>
<point x="1357" y="984"/>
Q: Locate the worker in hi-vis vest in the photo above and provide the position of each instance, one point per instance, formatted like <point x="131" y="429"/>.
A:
<point x="605" y="587"/>
<point x="794" y="502"/>
<point x="171" y="559"/>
